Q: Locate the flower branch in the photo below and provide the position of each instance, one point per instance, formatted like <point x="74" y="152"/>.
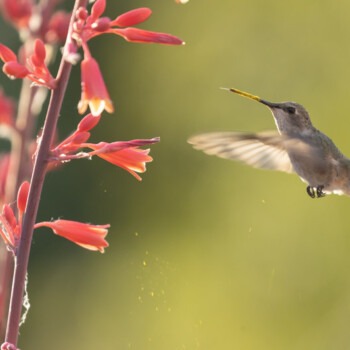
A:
<point x="37" y="180"/>
<point x="32" y="65"/>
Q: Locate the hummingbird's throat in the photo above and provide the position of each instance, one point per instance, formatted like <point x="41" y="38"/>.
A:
<point x="246" y="94"/>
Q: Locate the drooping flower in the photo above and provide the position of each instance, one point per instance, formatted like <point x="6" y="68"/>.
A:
<point x="93" y="89"/>
<point x="89" y="25"/>
<point x="88" y="236"/>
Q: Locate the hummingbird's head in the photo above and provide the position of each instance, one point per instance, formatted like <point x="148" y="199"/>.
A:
<point x="290" y="117"/>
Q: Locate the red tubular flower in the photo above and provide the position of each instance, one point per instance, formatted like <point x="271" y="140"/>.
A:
<point x="97" y="9"/>
<point x="136" y="35"/>
<point x="8" y="346"/>
<point x="85" y="235"/>
<point x="6" y="54"/>
<point x="132" y="17"/>
<point x="88" y="27"/>
<point x="7" y="109"/>
<point x="58" y="27"/>
<point x="124" y="154"/>
<point x="39" y="73"/>
<point x="4" y="168"/>
<point x="131" y="159"/>
<point x="88" y="122"/>
<point x="15" y="70"/>
<point x="88" y="236"/>
<point x="94" y="92"/>
<point x="18" y="12"/>
<point x="9" y="228"/>
<point x="36" y="69"/>
<point x="73" y="142"/>
<point x="22" y="197"/>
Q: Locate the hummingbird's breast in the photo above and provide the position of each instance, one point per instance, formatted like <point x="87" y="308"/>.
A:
<point x="315" y="158"/>
<point x="317" y="161"/>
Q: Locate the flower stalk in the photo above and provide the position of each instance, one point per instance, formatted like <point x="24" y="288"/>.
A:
<point x="31" y="65"/>
<point x="37" y="181"/>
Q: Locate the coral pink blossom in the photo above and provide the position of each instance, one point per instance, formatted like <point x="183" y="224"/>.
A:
<point x="89" y="26"/>
<point x="73" y="142"/>
<point x="35" y="70"/>
<point x="94" y="92"/>
<point x="9" y="227"/>
<point x="4" y="169"/>
<point x="130" y="159"/>
<point x="7" y="109"/>
<point x="58" y="27"/>
<point x="124" y="154"/>
<point x="132" y="17"/>
<point x="88" y="236"/>
<point x="136" y="35"/>
<point x="6" y="54"/>
<point x="22" y="197"/>
<point x="18" y="12"/>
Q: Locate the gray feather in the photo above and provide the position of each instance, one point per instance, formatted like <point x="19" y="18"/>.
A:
<point x="266" y="150"/>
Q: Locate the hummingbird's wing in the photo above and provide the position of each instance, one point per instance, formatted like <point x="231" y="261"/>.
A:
<point x="266" y="150"/>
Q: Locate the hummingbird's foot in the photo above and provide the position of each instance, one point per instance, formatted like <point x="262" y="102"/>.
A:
<point x="319" y="191"/>
<point x="310" y="191"/>
<point x="315" y="191"/>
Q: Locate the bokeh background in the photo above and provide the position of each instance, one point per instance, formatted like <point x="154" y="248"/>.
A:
<point x="204" y="253"/>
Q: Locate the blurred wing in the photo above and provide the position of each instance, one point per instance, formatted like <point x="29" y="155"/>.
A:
<point x="262" y="150"/>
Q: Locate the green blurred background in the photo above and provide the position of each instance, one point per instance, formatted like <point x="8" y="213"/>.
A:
<point x="204" y="253"/>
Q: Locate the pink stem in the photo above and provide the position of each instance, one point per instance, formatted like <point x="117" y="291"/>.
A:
<point x="36" y="185"/>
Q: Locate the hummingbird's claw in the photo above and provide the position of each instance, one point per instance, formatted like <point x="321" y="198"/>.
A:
<point x="319" y="191"/>
<point x="310" y="191"/>
<point x="315" y="191"/>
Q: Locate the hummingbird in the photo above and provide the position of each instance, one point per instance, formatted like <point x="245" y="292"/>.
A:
<point x="296" y="147"/>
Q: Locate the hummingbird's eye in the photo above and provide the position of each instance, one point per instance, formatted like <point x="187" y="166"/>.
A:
<point x="290" y="110"/>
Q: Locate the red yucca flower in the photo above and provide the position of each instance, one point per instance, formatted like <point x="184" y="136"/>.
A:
<point x="89" y="26"/>
<point x="17" y="12"/>
<point x="88" y="236"/>
<point x="130" y="159"/>
<point x="125" y="154"/>
<point x="35" y="68"/>
<point x="93" y="89"/>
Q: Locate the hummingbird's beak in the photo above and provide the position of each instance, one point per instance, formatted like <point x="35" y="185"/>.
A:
<point x="253" y="97"/>
<point x="270" y="104"/>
